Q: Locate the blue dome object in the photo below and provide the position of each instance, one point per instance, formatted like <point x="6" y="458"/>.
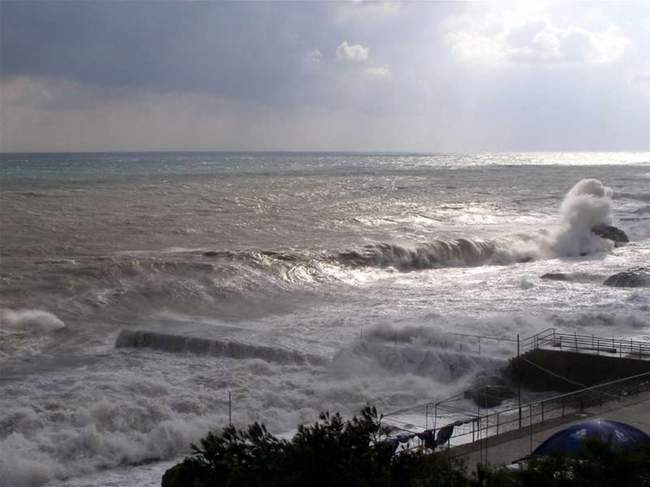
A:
<point x="570" y="441"/>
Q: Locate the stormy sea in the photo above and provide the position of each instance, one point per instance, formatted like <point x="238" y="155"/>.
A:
<point x="140" y="291"/>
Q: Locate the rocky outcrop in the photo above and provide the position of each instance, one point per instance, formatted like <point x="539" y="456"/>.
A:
<point x="555" y="276"/>
<point x="489" y="396"/>
<point x="489" y="390"/>
<point x="610" y="232"/>
<point x="635" y="277"/>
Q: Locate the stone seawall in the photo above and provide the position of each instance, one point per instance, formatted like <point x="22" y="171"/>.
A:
<point x="560" y="370"/>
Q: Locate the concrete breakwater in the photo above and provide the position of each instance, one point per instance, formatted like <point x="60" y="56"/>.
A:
<point x="565" y="370"/>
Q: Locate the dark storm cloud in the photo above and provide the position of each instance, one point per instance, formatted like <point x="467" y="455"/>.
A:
<point x="328" y="75"/>
<point x="240" y="50"/>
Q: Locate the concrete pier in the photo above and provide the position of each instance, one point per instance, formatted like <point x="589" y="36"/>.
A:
<point x="564" y="370"/>
<point x="514" y="445"/>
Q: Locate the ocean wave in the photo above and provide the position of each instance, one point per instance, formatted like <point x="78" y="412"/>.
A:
<point x="67" y="441"/>
<point x="644" y="197"/>
<point x="419" y="351"/>
<point x="200" y="280"/>
<point x="586" y="205"/>
<point x="29" y="320"/>
<point x="615" y="321"/>
<point x="426" y="256"/>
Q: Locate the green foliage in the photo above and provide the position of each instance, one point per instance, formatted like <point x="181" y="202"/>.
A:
<point x="330" y="452"/>
<point x="335" y="452"/>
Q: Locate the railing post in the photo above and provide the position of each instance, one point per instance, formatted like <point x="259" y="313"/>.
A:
<point x="519" y="372"/>
<point x="497" y="423"/>
<point x="479" y="345"/>
<point x="435" y="416"/>
<point x="530" y="414"/>
<point x="542" y="411"/>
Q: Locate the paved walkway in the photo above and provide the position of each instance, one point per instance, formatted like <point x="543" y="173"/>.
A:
<point x="634" y="411"/>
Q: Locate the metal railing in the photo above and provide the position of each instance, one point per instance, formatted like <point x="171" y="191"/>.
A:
<point x="478" y="341"/>
<point x="619" y="347"/>
<point x="472" y="427"/>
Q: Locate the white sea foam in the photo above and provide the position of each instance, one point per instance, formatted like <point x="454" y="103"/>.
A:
<point x="83" y="439"/>
<point x="587" y="204"/>
<point x="30" y="320"/>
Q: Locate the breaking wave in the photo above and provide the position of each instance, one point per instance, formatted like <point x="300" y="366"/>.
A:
<point x="418" y="351"/>
<point x="425" y="256"/>
<point x="29" y="320"/>
<point x="196" y="281"/>
<point x="586" y="205"/>
<point x="68" y="440"/>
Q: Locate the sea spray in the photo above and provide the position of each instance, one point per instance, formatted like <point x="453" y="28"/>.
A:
<point x="586" y="205"/>
<point x="415" y="350"/>
<point x="29" y="320"/>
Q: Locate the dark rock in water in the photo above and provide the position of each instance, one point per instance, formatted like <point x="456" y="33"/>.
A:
<point x="489" y="396"/>
<point x="611" y="233"/>
<point x="555" y="276"/>
<point x="636" y="277"/>
<point x="211" y="253"/>
<point x="489" y="390"/>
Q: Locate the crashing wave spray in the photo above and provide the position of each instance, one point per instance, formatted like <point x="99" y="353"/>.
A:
<point x="420" y="351"/>
<point x="586" y="205"/>
<point x="29" y="320"/>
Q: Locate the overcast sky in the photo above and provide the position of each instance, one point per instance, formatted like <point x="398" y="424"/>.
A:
<point x="437" y="76"/>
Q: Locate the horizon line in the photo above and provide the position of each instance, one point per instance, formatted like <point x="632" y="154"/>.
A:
<point x="280" y="151"/>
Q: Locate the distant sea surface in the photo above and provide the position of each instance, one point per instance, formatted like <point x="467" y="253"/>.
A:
<point x="298" y="282"/>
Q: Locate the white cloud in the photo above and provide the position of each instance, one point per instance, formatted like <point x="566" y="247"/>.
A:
<point x="516" y="38"/>
<point x="352" y="52"/>
<point x="315" y="56"/>
<point x="379" y="72"/>
<point x="363" y="11"/>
